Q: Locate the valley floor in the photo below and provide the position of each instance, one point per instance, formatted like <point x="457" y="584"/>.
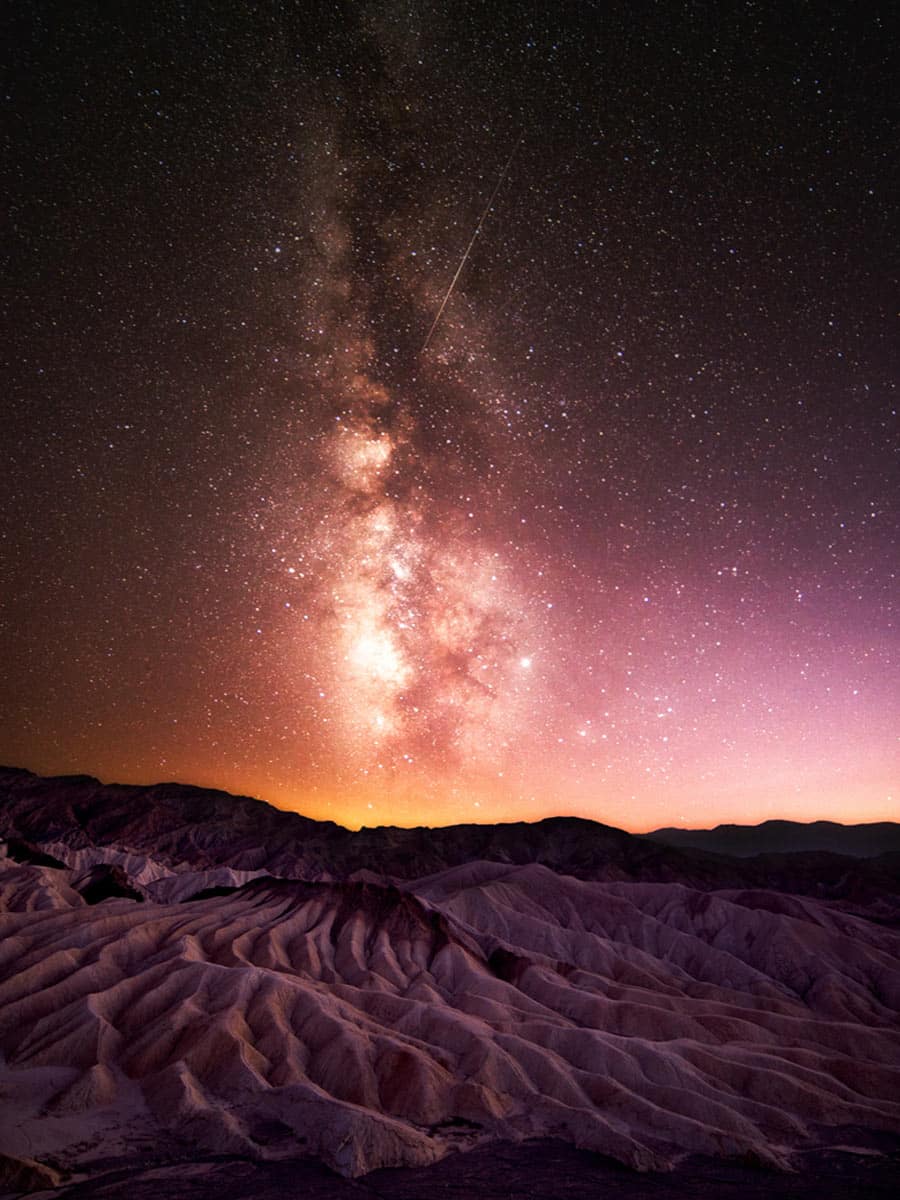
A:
<point x="536" y="1170"/>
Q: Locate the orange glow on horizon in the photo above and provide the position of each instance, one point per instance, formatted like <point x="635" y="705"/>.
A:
<point x="487" y="802"/>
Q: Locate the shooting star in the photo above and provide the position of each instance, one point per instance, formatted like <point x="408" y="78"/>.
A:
<point x="481" y="220"/>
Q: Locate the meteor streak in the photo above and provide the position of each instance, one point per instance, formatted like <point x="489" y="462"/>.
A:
<point x="487" y="209"/>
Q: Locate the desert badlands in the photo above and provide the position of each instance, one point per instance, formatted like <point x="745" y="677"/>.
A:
<point x="201" y="995"/>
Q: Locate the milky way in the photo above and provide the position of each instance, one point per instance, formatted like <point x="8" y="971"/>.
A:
<point x="420" y="626"/>
<point x="421" y="618"/>
<point x="619" y="540"/>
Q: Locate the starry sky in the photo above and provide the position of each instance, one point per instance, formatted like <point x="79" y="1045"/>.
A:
<point x="614" y="537"/>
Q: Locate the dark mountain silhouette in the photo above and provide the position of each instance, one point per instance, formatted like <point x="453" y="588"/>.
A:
<point x="176" y="823"/>
<point x="787" y="837"/>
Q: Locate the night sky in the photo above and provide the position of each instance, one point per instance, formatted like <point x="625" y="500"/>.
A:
<point x="618" y="542"/>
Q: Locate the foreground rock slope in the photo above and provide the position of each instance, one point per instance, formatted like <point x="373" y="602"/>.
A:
<point x="203" y="975"/>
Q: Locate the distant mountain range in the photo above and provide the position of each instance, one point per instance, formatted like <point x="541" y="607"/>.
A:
<point x="787" y="837"/>
<point x="178" y="823"/>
